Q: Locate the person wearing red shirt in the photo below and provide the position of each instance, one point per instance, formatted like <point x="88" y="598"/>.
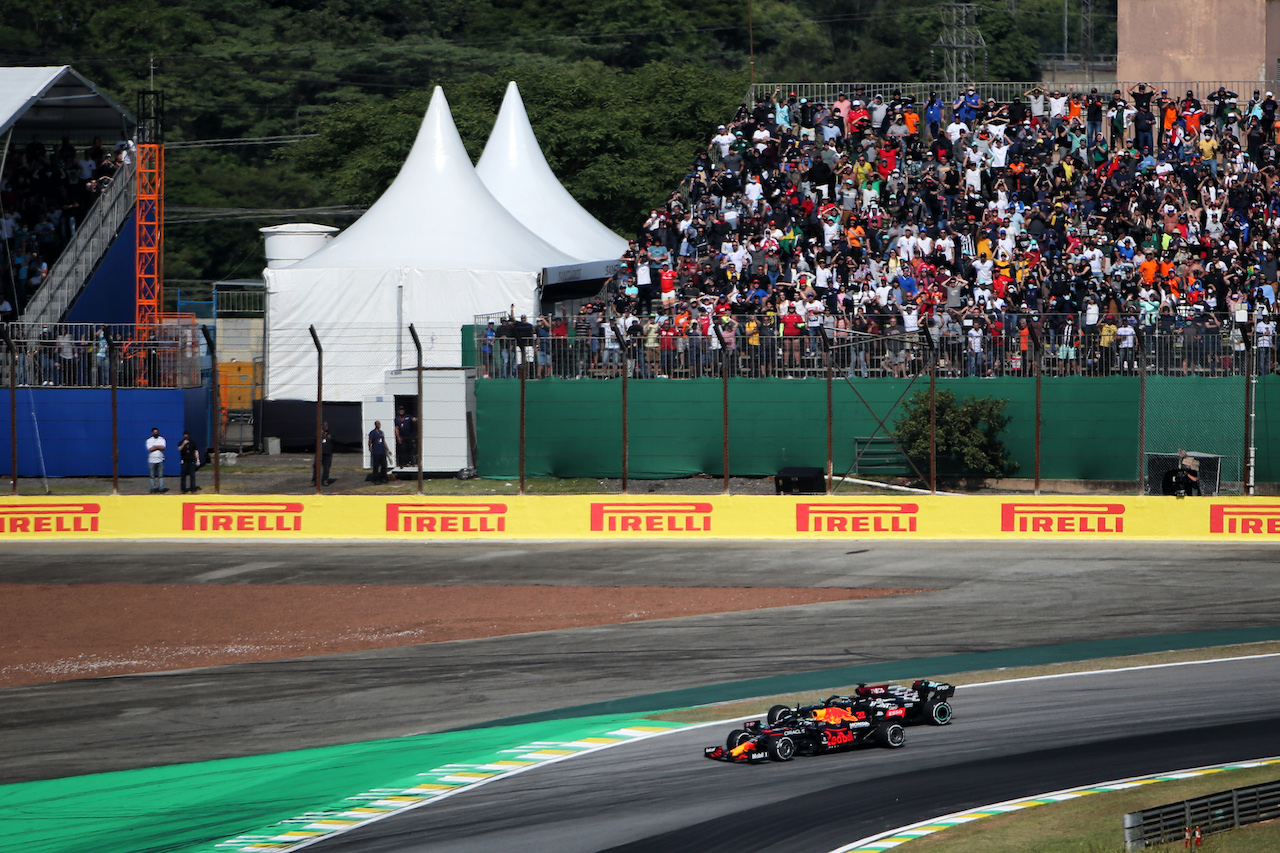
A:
<point x="793" y="329"/>
<point x="667" y="350"/>
<point x="667" y="284"/>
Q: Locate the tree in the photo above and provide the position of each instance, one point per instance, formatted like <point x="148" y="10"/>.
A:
<point x="619" y="141"/>
<point x="968" y="436"/>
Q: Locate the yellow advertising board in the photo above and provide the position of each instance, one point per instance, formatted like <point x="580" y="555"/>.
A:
<point x="613" y="517"/>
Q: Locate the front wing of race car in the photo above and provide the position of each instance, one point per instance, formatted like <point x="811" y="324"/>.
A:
<point x="746" y="753"/>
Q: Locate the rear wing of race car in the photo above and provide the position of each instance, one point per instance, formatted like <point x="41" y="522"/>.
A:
<point x="933" y="689"/>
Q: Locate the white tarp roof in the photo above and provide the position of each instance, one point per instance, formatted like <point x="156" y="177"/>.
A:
<point x="435" y="250"/>
<point x="47" y="102"/>
<point x="515" y="171"/>
<point x="437" y="215"/>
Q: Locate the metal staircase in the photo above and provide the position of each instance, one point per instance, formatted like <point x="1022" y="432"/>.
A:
<point x="76" y="265"/>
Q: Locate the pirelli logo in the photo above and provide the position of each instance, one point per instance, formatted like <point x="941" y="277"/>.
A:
<point x="856" y="518"/>
<point x="447" y="518"/>
<point x="1244" y="518"/>
<point x="674" y="516"/>
<point x="1062" y="518"/>
<point x="49" y="518"/>
<point x="242" y="516"/>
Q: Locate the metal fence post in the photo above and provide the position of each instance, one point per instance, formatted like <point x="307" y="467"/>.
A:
<point x="933" y="424"/>
<point x="417" y="439"/>
<point x="724" y="400"/>
<point x="1142" y="417"/>
<point x="826" y="351"/>
<point x="1038" y="411"/>
<point x="113" y="362"/>
<point x="13" y="410"/>
<point x="521" y="362"/>
<point x="932" y="346"/>
<point x="217" y="408"/>
<point x="1248" y="410"/>
<point x="319" y="402"/>
<point x="625" y="453"/>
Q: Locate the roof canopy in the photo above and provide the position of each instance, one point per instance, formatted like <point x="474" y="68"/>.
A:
<point x="437" y="215"/>
<point x="515" y="171"/>
<point x="48" y="102"/>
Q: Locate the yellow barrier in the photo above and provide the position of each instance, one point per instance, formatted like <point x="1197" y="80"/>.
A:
<point x="675" y="518"/>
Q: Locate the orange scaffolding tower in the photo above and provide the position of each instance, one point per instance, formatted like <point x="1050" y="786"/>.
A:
<point x="149" y="278"/>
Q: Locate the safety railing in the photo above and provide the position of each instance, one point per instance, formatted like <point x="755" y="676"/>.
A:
<point x="80" y="258"/>
<point x="1052" y="345"/>
<point x="75" y="355"/>
<point x="1190" y="820"/>
<point x="1003" y="92"/>
<point x="239" y="303"/>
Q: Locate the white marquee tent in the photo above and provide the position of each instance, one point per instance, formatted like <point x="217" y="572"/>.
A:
<point x="515" y="171"/>
<point x="435" y="250"/>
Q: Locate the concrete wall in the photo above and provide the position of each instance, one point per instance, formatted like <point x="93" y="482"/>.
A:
<point x="1197" y="40"/>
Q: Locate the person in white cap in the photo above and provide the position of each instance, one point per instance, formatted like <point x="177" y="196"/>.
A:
<point x="723" y="139"/>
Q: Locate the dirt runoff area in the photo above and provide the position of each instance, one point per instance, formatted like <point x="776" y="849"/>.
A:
<point x="63" y="632"/>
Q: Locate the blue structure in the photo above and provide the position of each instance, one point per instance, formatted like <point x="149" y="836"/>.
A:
<point x="108" y="298"/>
<point x="66" y="432"/>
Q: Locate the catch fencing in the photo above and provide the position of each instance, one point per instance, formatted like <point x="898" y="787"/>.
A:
<point x="1003" y="92"/>
<point x="1082" y="405"/>
<point x="78" y="355"/>
<point x="1189" y="820"/>
<point x="1083" y="411"/>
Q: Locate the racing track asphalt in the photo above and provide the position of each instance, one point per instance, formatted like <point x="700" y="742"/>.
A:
<point x="1008" y="741"/>
<point x="990" y="596"/>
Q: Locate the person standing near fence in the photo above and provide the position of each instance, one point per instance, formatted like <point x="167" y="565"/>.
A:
<point x="155" y="460"/>
<point x="486" y="350"/>
<point x="189" y="455"/>
<point x="326" y="454"/>
<point x="406" y="436"/>
<point x="101" y="353"/>
<point x="1265" y="331"/>
<point x="378" y="453"/>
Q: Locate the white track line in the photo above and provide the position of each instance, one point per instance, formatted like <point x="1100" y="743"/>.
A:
<point x="1117" y="669"/>
<point x="880" y="841"/>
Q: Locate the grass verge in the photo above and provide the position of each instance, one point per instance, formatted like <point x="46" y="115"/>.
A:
<point x="1094" y="824"/>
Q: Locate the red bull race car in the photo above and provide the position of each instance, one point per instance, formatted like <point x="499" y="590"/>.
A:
<point x="924" y="701"/>
<point x="821" y="729"/>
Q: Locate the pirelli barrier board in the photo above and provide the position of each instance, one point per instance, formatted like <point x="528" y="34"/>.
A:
<point x="585" y="517"/>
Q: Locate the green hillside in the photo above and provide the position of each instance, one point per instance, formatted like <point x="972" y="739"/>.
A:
<point x="620" y="93"/>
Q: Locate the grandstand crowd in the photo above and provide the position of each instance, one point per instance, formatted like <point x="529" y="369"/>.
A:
<point x="1084" y="233"/>
<point x="45" y="192"/>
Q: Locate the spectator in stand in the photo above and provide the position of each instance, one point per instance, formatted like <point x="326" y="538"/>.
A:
<point x="1017" y="232"/>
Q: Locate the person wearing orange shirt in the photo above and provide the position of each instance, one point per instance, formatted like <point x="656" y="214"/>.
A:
<point x="1147" y="269"/>
<point x="1073" y="109"/>
<point x="912" y="119"/>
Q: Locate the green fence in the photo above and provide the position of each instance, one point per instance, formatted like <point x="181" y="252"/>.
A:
<point x="1089" y="425"/>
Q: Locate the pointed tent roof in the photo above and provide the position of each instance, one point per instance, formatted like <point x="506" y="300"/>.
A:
<point x="515" y="171"/>
<point x="437" y="214"/>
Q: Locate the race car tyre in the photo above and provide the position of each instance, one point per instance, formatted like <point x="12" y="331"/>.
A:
<point x="891" y="736"/>
<point x="938" y="712"/>
<point x="778" y="711"/>
<point x="782" y="749"/>
<point x="736" y="738"/>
